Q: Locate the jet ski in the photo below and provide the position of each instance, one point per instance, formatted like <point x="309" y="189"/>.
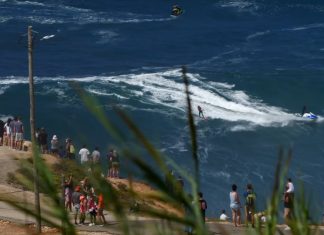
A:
<point x="309" y="115"/>
<point x="176" y="11"/>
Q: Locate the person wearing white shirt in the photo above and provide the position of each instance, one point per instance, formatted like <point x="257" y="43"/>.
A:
<point x="290" y="186"/>
<point x="223" y="216"/>
<point x="84" y="154"/>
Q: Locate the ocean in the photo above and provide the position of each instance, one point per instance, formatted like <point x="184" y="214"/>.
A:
<point x="252" y="66"/>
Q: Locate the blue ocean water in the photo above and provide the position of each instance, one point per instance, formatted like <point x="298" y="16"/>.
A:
<point x="252" y="65"/>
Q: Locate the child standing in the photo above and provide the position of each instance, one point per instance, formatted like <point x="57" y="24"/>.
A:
<point x="76" y="203"/>
<point x="83" y="208"/>
<point x="92" y="209"/>
<point x="101" y="206"/>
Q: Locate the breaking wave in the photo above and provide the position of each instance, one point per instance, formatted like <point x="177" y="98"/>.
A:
<point x="166" y="89"/>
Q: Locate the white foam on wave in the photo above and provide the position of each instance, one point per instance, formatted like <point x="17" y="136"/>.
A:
<point x="4" y="117"/>
<point x="59" y="91"/>
<point x="73" y="9"/>
<point x="311" y="6"/>
<point x="306" y="27"/>
<point x="43" y="19"/>
<point x="257" y="34"/>
<point x="240" y="5"/>
<point x="222" y="85"/>
<point x="103" y="93"/>
<point x="3" y="89"/>
<point x="156" y="110"/>
<point x="220" y="174"/>
<point x="29" y="3"/>
<point x="105" y="36"/>
<point x="166" y="89"/>
<point x="261" y="177"/>
<point x="4" y="19"/>
<point x="60" y="14"/>
<point x="11" y="80"/>
<point x="218" y="101"/>
<point x="239" y="128"/>
<point x="131" y="20"/>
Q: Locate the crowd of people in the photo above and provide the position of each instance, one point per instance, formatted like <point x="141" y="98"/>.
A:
<point x="83" y="198"/>
<point x="12" y="135"/>
<point x="249" y="206"/>
<point x="84" y="201"/>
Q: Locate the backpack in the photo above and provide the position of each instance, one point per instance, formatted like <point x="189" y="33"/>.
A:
<point x="250" y="199"/>
<point x="203" y="205"/>
<point x="72" y="149"/>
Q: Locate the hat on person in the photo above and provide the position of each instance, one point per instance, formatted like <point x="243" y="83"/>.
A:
<point x="54" y="137"/>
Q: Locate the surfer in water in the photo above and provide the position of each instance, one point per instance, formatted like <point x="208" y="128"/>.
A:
<point x="176" y="10"/>
<point x="201" y="114"/>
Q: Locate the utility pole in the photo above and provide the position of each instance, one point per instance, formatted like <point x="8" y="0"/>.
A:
<point x="63" y="203"/>
<point x="32" y="129"/>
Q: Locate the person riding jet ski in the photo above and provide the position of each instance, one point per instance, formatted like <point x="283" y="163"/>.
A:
<point x="176" y="10"/>
<point x="306" y="114"/>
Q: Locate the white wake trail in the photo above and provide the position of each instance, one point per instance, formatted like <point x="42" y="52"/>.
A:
<point x="166" y="90"/>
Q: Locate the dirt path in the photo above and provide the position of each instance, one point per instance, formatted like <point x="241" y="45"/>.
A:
<point x="9" y="162"/>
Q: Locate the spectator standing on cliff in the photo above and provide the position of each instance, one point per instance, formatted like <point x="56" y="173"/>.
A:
<point x="42" y="136"/>
<point x="115" y="164"/>
<point x="250" y="198"/>
<point x="68" y="190"/>
<point x="37" y="132"/>
<point x="69" y="149"/>
<point x="12" y="133"/>
<point x="55" y="145"/>
<point x="61" y="152"/>
<point x="203" y="206"/>
<point x="19" y="130"/>
<point x="6" y="137"/>
<point x="288" y="201"/>
<point x="94" y="160"/>
<point x="235" y="205"/>
<point x="287" y="207"/>
<point x="290" y="186"/>
<point x="109" y="158"/>
<point x="1" y="131"/>
<point x="84" y="154"/>
<point x="95" y="155"/>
